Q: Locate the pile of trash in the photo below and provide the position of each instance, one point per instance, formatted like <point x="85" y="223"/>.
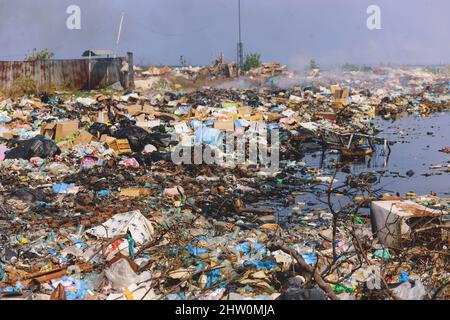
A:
<point x="93" y="205"/>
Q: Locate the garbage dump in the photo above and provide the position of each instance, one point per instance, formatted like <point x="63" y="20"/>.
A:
<point x="116" y="196"/>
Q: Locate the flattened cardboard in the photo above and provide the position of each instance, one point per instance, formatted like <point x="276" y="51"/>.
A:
<point x="65" y="129"/>
<point x="245" y="111"/>
<point x="325" y="115"/>
<point x="224" y="125"/>
<point x="133" y="110"/>
<point x="48" y="130"/>
<point x="148" y="109"/>
<point x="84" y="138"/>
<point x="134" y="192"/>
<point x="60" y="130"/>
<point x="340" y="103"/>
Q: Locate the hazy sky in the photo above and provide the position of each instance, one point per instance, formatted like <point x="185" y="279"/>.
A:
<point x="289" y="31"/>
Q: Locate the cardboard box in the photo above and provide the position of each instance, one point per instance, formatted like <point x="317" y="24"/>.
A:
<point x="224" y="125"/>
<point x="256" y="117"/>
<point x="48" y="130"/>
<point x="339" y="93"/>
<point x="84" y="138"/>
<point x="340" y="103"/>
<point x="120" y="146"/>
<point x="245" y="111"/>
<point x="397" y="221"/>
<point x="345" y="93"/>
<point x="148" y="109"/>
<point x="65" y="129"/>
<point x="134" y="192"/>
<point x="106" y="138"/>
<point x="335" y="88"/>
<point x="60" y="130"/>
<point x="133" y="110"/>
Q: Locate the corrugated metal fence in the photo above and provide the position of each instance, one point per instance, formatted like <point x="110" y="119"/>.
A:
<point x="67" y="74"/>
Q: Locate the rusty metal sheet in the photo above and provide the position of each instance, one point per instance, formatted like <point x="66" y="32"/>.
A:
<point x="64" y="74"/>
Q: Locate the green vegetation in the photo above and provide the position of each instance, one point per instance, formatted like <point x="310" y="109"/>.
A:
<point x="39" y="56"/>
<point x="355" y="67"/>
<point x="313" y="64"/>
<point x="252" y="61"/>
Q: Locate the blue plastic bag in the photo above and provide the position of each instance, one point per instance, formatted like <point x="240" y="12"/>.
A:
<point x="62" y="187"/>
<point x="103" y="193"/>
<point x="404" y="277"/>
<point x="246" y="248"/>
<point x="310" y="258"/>
<point x="213" y="278"/>
<point x="2" y="272"/>
<point x="208" y="136"/>
<point x="74" y="289"/>
<point x="260" y="264"/>
<point x="195" y="251"/>
<point x="196" y="124"/>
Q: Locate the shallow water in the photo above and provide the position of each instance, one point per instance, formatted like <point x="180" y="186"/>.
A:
<point x="417" y="144"/>
<point x="418" y="141"/>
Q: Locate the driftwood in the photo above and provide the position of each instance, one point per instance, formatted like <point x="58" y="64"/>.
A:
<point x="279" y="245"/>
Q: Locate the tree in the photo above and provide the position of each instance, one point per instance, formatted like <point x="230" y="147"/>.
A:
<point x="313" y="64"/>
<point x="350" y="67"/>
<point x="355" y="67"/>
<point x="252" y="61"/>
<point x="39" y="56"/>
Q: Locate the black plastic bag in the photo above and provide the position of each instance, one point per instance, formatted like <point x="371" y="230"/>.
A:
<point x="164" y="118"/>
<point x="44" y="97"/>
<point x="97" y="129"/>
<point x="137" y="137"/>
<point x="149" y="158"/>
<point x="38" y="146"/>
<point x="160" y="139"/>
<point x="28" y="195"/>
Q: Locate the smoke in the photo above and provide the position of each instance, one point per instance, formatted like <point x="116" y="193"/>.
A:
<point x="287" y="31"/>
<point x="237" y="84"/>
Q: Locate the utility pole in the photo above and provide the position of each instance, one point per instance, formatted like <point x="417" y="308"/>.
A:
<point x="240" y="46"/>
<point x="130" y="70"/>
<point x="118" y="35"/>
